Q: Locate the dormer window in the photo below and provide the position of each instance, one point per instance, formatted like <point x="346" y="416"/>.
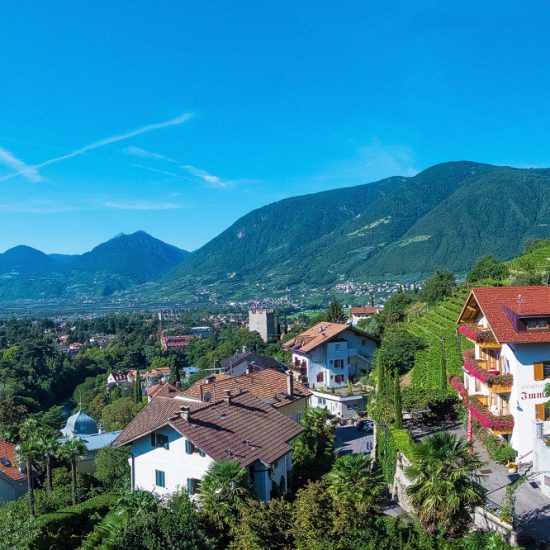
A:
<point x="541" y="323"/>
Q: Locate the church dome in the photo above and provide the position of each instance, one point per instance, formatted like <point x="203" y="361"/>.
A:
<point x="80" y="424"/>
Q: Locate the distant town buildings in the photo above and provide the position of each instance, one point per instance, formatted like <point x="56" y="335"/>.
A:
<point x="506" y="373"/>
<point x="263" y="322"/>
<point x="176" y="342"/>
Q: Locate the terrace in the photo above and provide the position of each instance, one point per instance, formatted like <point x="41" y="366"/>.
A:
<point x="497" y="382"/>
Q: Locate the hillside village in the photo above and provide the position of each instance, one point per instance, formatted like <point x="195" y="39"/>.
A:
<point x="217" y="409"/>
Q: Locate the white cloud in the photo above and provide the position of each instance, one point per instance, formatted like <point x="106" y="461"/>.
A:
<point x="12" y="162"/>
<point x="139" y="152"/>
<point x="103" y="142"/>
<point x="142" y="205"/>
<point x="203" y="175"/>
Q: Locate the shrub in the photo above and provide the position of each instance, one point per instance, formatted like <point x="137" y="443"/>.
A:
<point x="66" y="527"/>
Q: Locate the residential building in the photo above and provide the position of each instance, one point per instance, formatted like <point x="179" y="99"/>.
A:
<point x="175" y="441"/>
<point x="176" y="342"/>
<point x="327" y="358"/>
<point x="273" y="387"/>
<point x="84" y="428"/>
<point x="506" y="372"/>
<point x="359" y="313"/>
<point x="119" y="378"/>
<point x="263" y="322"/>
<point x="13" y="479"/>
<point x="248" y="360"/>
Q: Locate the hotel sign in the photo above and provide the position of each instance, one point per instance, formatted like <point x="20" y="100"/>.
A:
<point x="531" y="391"/>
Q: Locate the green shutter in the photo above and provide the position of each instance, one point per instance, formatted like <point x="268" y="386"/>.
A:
<point x="190" y="486"/>
<point x="189" y="447"/>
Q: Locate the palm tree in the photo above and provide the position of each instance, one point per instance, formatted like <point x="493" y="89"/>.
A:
<point x="50" y="445"/>
<point x="29" y="451"/>
<point x="71" y="450"/>
<point x="224" y="489"/>
<point x="443" y="491"/>
<point x="352" y="480"/>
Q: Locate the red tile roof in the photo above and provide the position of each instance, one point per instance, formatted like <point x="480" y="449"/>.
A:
<point x="7" y="451"/>
<point x="368" y="310"/>
<point x="245" y="430"/>
<point x="163" y="389"/>
<point x="268" y="384"/>
<point x="501" y="305"/>
<point x="320" y="334"/>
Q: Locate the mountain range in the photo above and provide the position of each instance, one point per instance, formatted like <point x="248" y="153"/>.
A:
<point x="400" y="227"/>
<point x="118" y="264"/>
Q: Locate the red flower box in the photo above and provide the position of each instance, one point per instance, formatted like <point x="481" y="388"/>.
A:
<point x="487" y="419"/>
<point x="471" y="366"/>
<point x="458" y="385"/>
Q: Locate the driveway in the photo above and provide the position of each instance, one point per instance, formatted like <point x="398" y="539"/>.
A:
<point x="349" y="440"/>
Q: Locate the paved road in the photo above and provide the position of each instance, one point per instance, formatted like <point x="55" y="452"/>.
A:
<point x="349" y="440"/>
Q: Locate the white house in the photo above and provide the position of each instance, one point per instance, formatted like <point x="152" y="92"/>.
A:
<point x="505" y="375"/>
<point x="326" y="358"/>
<point x="13" y="482"/>
<point x="175" y="440"/>
<point x="359" y="313"/>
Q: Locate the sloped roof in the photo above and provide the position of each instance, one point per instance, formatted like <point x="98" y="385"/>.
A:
<point x="245" y="430"/>
<point x="501" y="305"/>
<point x="321" y="333"/>
<point x="268" y="384"/>
<point x="367" y="310"/>
<point x="94" y="442"/>
<point x="80" y="423"/>
<point x="163" y="389"/>
<point x="7" y="451"/>
<point x="236" y="364"/>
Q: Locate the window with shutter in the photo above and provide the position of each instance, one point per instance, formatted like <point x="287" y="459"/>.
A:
<point x="539" y="411"/>
<point x="190" y="486"/>
<point x="189" y="447"/>
<point x="538" y="371"/>
<point x="160" y="478"/>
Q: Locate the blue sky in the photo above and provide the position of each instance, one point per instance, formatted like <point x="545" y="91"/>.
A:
<point x="179" y="117"/>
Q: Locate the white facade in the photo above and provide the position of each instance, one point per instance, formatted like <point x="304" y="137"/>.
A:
<point x="334" y="363"/>
<point x="340" y="406"/>
<point x="168" y="468"/>
<point x="525" y="393"/>
<point x="541" y="462"/>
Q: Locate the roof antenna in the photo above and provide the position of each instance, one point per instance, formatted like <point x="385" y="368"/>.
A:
<point x="519" y="301"/>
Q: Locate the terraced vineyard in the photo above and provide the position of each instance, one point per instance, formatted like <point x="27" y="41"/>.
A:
<point x="436" y="327"/>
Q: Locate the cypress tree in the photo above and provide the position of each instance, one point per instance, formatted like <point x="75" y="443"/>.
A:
<point x="397" y="401"/>
<point x="175" y="375"/>
<point x="137" y="387"/>
<point x="443" y="366"/>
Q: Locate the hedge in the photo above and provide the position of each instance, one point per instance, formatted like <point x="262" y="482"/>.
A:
<point x="386" y="451"/>
<point x="403" y="442"/>
<point x="66" y="527"/>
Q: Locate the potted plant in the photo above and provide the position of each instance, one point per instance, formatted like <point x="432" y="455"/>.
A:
<point x="512" y="467"/>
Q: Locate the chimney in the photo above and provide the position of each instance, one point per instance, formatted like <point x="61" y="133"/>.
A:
<point x="178" y="384"/>
<point x="184" y="412"/>
<point x="289" y="383"/>
<point x="227" y="397"/>
<point x="244" y="349"/>
<point x="249" y="368"/>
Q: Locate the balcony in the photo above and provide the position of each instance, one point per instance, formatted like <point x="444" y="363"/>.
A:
<point x="457" y="383"/>
<point x="497" y="382"/>
<point x="477" y="335"/>
<point x="499" y="425"/>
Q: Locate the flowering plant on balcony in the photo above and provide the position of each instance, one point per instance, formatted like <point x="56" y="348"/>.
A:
<point x="477" y="334"/>
<point x="458" y="385"/>
<point x="471" y="366"/>
<point x="486" y="418"/>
